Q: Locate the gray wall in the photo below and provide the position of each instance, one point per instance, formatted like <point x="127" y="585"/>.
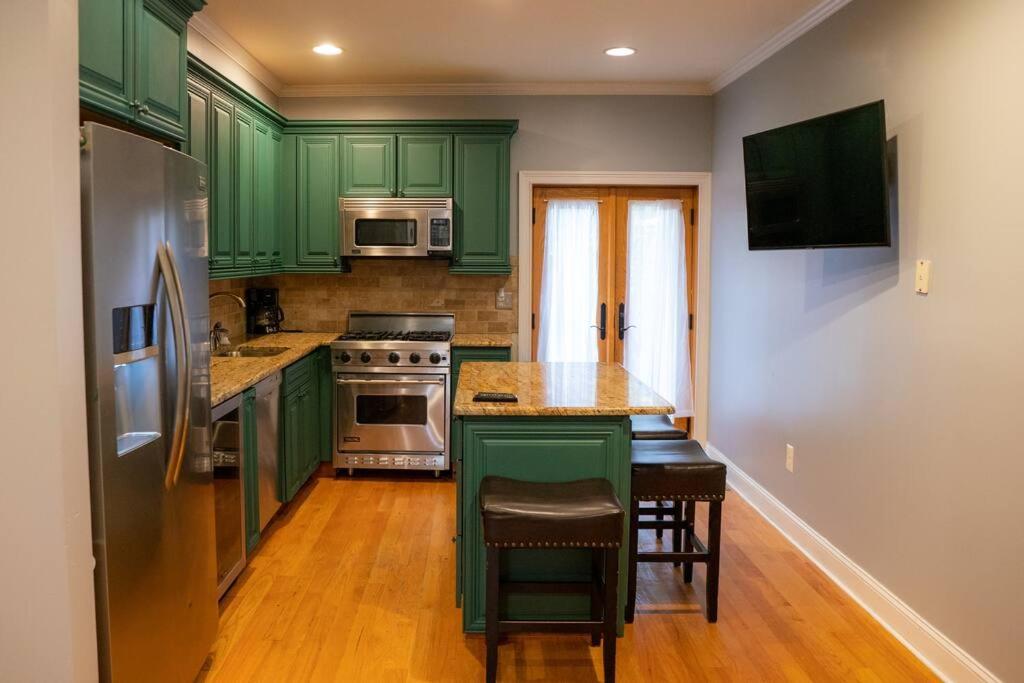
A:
<point x="563" y="133"/>
<point x="903" y="408"/>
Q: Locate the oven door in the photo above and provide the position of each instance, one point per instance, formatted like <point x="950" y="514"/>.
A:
<point x="390" y="413"/>
<point x="385" y="232"/>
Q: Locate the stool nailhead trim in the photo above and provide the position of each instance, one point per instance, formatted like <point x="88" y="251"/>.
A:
<point x="700" y="497"/>
<point x="541" y="544"/>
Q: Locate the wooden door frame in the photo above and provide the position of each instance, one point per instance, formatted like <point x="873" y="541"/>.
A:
<point x="702" y="308"/>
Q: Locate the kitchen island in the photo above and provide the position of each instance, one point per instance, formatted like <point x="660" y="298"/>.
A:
<point x="572" y="421"/>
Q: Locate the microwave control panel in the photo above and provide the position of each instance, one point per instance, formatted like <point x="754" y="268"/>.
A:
<point x="440" y="233"/>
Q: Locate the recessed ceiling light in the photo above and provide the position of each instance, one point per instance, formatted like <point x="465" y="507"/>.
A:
<point x="620" y="51"/>
<point x="327" y="49"/>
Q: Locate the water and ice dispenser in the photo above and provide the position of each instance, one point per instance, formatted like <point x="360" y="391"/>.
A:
<point x="137" y="367"/>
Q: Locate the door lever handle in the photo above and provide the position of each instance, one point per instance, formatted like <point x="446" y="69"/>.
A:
<point x="622" y="321"/>
<point x="603" y="327"/>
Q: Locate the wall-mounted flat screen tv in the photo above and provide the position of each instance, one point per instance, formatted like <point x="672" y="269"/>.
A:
<point x="819" y="183"/>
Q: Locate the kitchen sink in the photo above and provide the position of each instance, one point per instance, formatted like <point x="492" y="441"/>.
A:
<point x="251" y="352"/>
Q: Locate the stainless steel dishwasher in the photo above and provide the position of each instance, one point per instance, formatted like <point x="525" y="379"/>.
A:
<point x="268" y="413"/>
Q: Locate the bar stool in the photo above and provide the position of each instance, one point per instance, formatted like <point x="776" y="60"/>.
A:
<point x="681" y="472"/>
<point x="575" y="514"/>
<point x="657" y="427"/>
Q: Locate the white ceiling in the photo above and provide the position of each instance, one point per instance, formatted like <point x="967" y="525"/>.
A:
<point x="685" y="43"/>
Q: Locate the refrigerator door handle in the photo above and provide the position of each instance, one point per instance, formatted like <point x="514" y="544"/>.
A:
<point x="182" y="352"/>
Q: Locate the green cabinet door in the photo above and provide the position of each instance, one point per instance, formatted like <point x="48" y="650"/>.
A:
<point x="326" y="404"/>
<point x="316" y="228"/>
<point x="199" y="111"/>
<point x="245" y="180"/>
<point x="106" y="56"/>
<point x="265" y="192"/>
<point x="291" y="444"/>
<point x="424" y="165"/>
<point x="368" y="163"/>
<point x="222" y="188"/>
<point x="250" y="471"/>
<point x="160" y="67"/>
<point x="274" y="201"/>
<point x="310" y="402"/>
<point x="481" y="205"/>
<point x="486" y="354"/>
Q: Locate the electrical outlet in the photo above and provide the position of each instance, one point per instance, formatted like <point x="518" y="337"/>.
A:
<point x="503" y="299"/>
<point x="790" y="455"/>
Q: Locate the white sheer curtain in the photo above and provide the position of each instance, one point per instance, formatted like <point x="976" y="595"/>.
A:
<point x="657" y="350"/>
<point x="568" y="290"/>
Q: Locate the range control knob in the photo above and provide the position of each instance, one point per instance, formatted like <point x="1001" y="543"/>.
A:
<point x="393" y="357"/>
<point x="345" y="357"/>
<point x="435" y="358"/>
<point x="414" y="358"/>
<point x="365" y="357"/>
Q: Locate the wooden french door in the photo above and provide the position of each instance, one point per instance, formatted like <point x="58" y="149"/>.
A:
<point x="613" y="259"/>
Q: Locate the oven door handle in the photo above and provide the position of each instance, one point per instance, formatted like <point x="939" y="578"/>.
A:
<point x="439" y="380"/>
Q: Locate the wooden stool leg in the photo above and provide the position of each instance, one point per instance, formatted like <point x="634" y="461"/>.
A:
<point x="634" y="540"/>
<point x="596" y="602"/>
<point x="611" y="610"/>
<point x="691" y="511"/>
<point x="658" y="533"/>
<point x="493" y="596"/>
<point x="714" y="550"/>
<point x="677" y="530"/>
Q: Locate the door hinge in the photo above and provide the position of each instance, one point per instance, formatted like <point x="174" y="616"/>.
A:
<point x="690" y="320"/>
<point x="692" y="214"/>
<point x="533" y="219"/>
<point x="533" y="321"/>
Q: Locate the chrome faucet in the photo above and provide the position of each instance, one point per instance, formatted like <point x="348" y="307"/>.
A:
<point x="219" y="333"/>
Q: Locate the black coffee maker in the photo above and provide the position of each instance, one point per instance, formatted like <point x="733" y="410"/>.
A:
<point x="263" y="315"/>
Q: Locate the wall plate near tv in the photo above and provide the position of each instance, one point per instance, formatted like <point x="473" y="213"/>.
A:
<point x="819" y="183"/>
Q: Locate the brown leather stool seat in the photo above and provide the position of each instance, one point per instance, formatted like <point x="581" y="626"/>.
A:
<point x="646" y="427"/>
<point x="525" y="514"/>
<point x="574" y="514"/>
<point x="679" y="473"/>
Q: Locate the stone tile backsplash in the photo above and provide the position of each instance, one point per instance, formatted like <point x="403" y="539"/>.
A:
<point x="321" y="303"/>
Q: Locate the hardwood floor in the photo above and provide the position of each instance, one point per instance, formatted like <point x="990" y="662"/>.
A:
<point x="355" y="583"/>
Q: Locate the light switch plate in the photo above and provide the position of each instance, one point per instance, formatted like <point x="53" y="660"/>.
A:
<point x="790" y="457"/>
<point x="923" y="276"/>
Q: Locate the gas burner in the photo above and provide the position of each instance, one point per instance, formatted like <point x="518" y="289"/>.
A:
<point x="397" y="335"/>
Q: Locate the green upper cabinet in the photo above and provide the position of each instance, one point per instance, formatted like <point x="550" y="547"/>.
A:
<point x="267" y="238"/>
<point x="424" y="165"/>
<point x="105" y="56"/>
<point x="316" y="192"/>
<point x="222" y="186"/>
<point x="200" y="105"/>
<point x="160" y="68"/>
<point x="368" y="163"/>
<point x="481" y="205"/>
<point x="133" y="61"/>
<point x="245" y="181"/>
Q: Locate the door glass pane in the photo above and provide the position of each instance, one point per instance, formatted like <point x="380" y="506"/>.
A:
<point x="385" y="232"/>
<point x="391" y="410"/>
<point x="569" y="282"/>
<point x="657" y="349"/>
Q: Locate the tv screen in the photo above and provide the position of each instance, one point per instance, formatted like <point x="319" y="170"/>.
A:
<point x="819" y="183"/>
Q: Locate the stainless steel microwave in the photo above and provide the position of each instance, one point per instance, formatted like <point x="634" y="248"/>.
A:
<point x="395" y="226"/>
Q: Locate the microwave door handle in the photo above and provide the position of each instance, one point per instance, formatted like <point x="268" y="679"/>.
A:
<point x="171" y="287"/>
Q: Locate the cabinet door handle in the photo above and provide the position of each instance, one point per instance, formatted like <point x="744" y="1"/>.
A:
<point x="144" y="109"/>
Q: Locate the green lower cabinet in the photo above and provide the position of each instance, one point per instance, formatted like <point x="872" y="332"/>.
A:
<point x="250" y="471"/>
<point x="305" y="402"/>
<point x="292" y="456"/>
<point x="486" y="354"/>
<point x="325" y="378"/>
<point x="544" y="449"/>
<point x="481" y="237"/>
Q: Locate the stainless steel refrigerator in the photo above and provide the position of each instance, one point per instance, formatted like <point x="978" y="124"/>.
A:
<point x="144" y="251"/>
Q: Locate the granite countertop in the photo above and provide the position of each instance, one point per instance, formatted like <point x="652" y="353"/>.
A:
<point x="482" y="340"/>
<point x="557" y="389"/>
<point x="229" y="376"/>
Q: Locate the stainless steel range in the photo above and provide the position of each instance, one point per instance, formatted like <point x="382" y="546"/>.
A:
<point x="392" y="391"/>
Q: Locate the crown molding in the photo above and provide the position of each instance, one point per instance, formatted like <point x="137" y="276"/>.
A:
<point x="212" y="31"/>
<point x="522" y="88"/>
<point x="812" y="18"/>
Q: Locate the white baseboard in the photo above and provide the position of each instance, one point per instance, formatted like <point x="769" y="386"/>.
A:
<point x="948" y="660"/>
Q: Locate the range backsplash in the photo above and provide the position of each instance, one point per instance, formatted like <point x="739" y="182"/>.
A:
<point x="321" y="303"/>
